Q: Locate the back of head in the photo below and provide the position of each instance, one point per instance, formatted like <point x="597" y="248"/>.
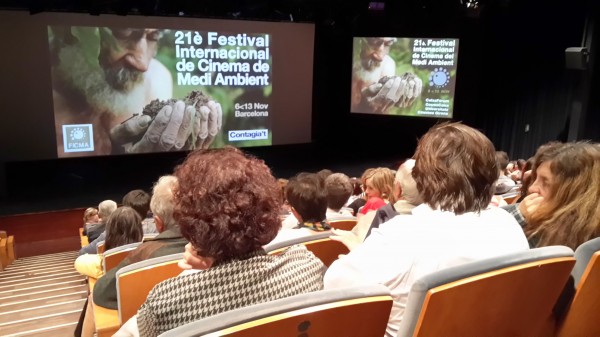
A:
<point x="124" y="226"/>
<point x="502" y="160"/>
<point x="407" y="183"/>
<point x="307" y="195"/>
<point x="455" y="168"/>
<point x="226" y="203"/>
<point x="338" y="189"/>
<point x="570" y="214"/>
<point x="105" y="208"/>
<point x="139" y="200"/>
<point x="162" y="203"/>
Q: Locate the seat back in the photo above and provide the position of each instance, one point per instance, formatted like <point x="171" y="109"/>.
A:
<point x="511" y="295"/>
<point x="322" y="313"/>
<point x="581" y="318"/>
<point x="135" y="281"/>
<point x="83" y="238"/>
<point x="319" y="244"/>
<point x="100" y="247"/>
<point x="3" y="252"/>
<point x="149" y="236"/>
<point x="10" y="249"/>
<point x="112" y="257"/>
<point x="511" y="198"/>
<point x="343" y="223"/>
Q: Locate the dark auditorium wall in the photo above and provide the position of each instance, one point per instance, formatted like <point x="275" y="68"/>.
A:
<point x="510" y="73"/>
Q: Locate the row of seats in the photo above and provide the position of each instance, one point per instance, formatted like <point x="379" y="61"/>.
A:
<point x="512" y="295"/>
<point x="7" y="250"/>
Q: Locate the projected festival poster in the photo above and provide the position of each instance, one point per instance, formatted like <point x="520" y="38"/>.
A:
<point x="135" y="90"/>
<point x="404" y="76"/>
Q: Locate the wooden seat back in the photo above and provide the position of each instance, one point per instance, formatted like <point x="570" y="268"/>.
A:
<point x="515" y="298"/>
<point x="582" y="316"/>
<point x="112" y="257"/>
<point x="10" y="249"/>
<point x="135" y="281"/>
<point x="345" y="224"/>
<point x="321" y="245"/>
<point x="326" y="313"/>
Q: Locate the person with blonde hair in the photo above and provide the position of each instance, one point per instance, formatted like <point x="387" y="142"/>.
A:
<point x="562" y="207"/>
<point x="90" y="216"/>
<point x="379" y="189"/>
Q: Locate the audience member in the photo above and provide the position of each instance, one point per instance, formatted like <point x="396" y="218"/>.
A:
<point x="96" y="233"/>
<point x="453" y="226"/>
<point x="140" y="201"/>
<point x="356" y="193"/>
<point x="339" y="189"/>
<point x="503" y="184"/>
<point x="379" y="186"/>
<point x="562" y="205"/>
<point x="168" y="241"/>
<point x="227" y="206"/>
<point x="124" y="226"/>
<point x="308" y="199"/>
<point x="405" y="191"/>
<point x="105" y="208"/>
<point x="90" y="217"/>
<point x="362" y="199"/>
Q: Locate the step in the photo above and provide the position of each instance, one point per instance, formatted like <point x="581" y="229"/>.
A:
<point x="45" y="256"/>
<point x="41" y="262"/>
<point x="21" y="263"/>
<point x="36" y="302"/>
<point x="65" y="329"/>
<point x="37" y="276"/>
<point x="39" y="259"/>
<point x="33" y="312"/>
<point x="29" y="283"/>
<point x="35" y="273"/>
<point x="13" y="272"/>
<point x="40" y="323"/>
<point x="43" y="293"/>
<point x="36" y="288"/>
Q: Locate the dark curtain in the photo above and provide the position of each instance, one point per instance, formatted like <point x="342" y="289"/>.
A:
<point x="529" y="93"/>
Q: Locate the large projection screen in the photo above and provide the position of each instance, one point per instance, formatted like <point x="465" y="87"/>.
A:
<point x="103" y="85"/>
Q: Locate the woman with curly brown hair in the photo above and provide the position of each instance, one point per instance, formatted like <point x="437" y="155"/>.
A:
<point x="562" y="207"/>
<point x="227" y="206"/>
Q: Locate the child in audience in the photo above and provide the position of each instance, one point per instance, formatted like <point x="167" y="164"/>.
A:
<point x="379" y="187"/>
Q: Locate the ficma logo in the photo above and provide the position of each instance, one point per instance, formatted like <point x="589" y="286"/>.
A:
<point x="78" y="137"/>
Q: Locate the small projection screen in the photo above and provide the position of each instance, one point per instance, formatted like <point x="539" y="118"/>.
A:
<point x="404" y="76"/>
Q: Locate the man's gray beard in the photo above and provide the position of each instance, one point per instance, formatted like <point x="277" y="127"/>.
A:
<point x="369" y="64"/>
<point x="119" y="91"/>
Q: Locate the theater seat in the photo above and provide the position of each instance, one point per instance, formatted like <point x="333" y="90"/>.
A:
<point x="511" y="295"/>
<point x="135" y="281"/>
<point x="112" y="257"/>
<point x="581" y="318"/>
<point x="357" y="311"/>
<point x="345" y="224"/>
<point x="320" y="244"/>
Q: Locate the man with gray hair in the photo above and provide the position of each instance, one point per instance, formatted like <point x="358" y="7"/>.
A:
<point x="169" y="241"/>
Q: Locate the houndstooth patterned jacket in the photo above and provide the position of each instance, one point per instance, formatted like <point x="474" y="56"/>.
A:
<point x="238" y="283"/>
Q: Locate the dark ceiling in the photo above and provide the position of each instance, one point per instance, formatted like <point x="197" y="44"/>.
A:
<point x="318" y="11"/>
